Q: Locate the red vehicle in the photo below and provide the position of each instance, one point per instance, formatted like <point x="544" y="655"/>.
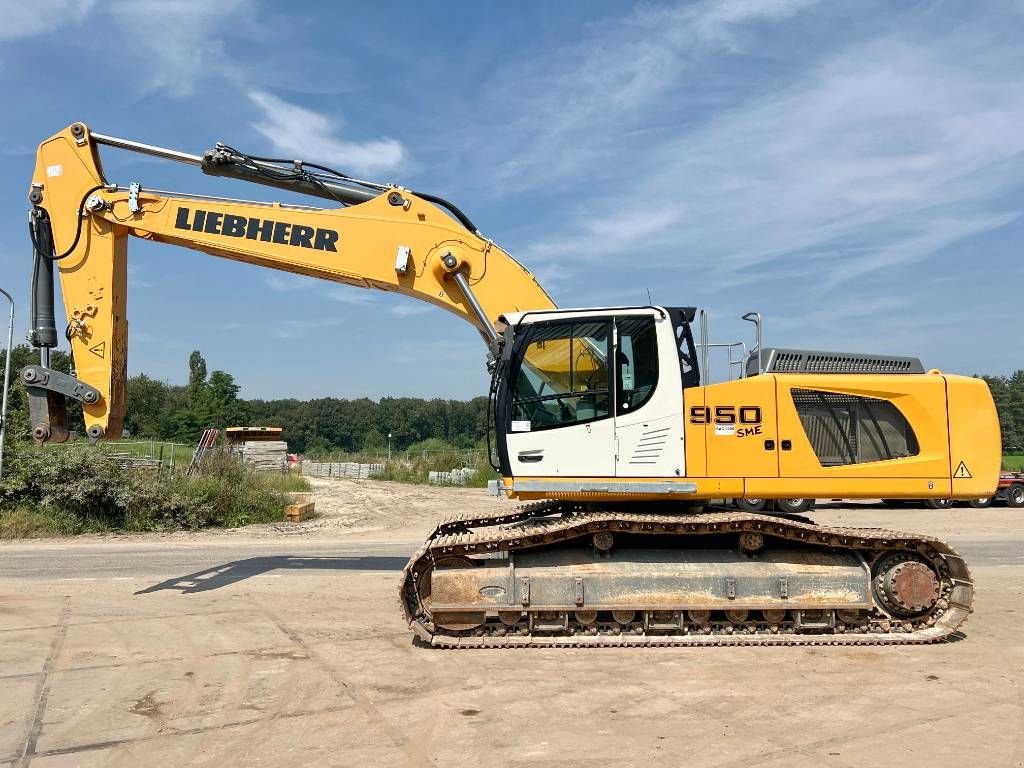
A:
<point x="1010" y="490"/>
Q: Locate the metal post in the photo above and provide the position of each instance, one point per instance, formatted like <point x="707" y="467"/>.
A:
<point x="7" y="377"/>
<point x="755" y="318"/>
<point x="704" y="342"/>
<point x="389" y="446"/>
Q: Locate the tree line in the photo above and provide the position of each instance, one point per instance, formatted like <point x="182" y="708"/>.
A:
<point x="1008" y="393"/>
<point x="179" y="413"/>
<point x="161" y="411"/>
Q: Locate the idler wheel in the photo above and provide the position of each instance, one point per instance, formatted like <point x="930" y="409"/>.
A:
<point x="510" y="618"/>
<point x="700" y="618"/>
<point x="751" y="541"/>
<point x="423" y="578"/>
<point x="905" y="584"/>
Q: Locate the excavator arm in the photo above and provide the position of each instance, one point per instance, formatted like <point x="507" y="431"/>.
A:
<point x="380" y="237"/>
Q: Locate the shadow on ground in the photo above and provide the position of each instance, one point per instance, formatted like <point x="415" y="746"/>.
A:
<point x="239" y="570"/>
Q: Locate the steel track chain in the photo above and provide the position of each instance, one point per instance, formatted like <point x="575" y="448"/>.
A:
<point x="550" y="522"/>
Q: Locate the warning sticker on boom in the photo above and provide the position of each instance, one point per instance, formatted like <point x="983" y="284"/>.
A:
<point x="962" y="472"/>
<point x="100" y="350"/>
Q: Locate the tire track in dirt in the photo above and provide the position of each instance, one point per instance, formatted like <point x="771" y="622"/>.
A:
<point x="397" y="738"/>
<point x="43" y="687"/>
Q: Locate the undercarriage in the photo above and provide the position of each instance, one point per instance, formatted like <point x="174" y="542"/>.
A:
<point x="564" y="574"/>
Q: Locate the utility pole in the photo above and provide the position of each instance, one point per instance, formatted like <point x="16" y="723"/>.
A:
<point x="7" y="377"/>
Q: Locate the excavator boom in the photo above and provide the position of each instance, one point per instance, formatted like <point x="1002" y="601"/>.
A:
<point x="385" y="238"/>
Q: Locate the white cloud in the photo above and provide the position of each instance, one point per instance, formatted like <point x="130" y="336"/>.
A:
<point x="342" y="294"/>
<point x="172" y="43"/>
<point x="437" y="352"/>
<point x="295" y="329"/>
<point x="301" y="133"/>
<point x="568" y="111"/>
<point x="287" y="282"/>
<point x="179" y="42"/>
<point x="136" y="279"/>
<point x="933" y="235"/>
<point x="410" y="308"/>
<point x="876" y="155"/>
<point x="28" y="19"/>
<point x="346" y="294"/>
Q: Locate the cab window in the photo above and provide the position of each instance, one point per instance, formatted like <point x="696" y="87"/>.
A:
<point x="636" y="366"/>
<point x="563" y="375"/>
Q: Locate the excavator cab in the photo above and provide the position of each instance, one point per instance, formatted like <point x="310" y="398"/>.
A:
<point x="593" y="393"/>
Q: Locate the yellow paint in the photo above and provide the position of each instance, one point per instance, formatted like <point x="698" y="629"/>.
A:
<point x="93" y="276"/>
<point x="736" y="449"/>
<point x="694" y="442"/>
<point x="973" y="437"/>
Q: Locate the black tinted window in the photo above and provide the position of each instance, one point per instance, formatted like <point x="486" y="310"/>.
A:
<point x="563" y="375"/>
<point x="847" y="429"/>
<point x="637" y="362"/>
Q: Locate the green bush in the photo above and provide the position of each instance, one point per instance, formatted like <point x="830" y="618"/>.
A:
<point x="74" y="489"/>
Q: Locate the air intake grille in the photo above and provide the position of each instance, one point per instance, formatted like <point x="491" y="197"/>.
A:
<point x="651" y="445"/>
<point x="812" y="361"/>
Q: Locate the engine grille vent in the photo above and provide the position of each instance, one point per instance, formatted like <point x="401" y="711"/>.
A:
<point x="813" y="361"/>
<point x="650" y="447"/>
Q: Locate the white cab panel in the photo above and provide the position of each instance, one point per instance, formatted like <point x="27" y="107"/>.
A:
<point x="650" y="439"/>
<point x="580" y="450"/>
<point x="652" y="448"/>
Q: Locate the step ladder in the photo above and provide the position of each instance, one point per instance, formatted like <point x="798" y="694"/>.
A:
<point x="206" y="443"/>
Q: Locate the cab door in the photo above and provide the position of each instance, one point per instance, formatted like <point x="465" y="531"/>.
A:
<point x="561" y="421"/>
<point x="649" y="420"/>
<point x="740" y="428"/>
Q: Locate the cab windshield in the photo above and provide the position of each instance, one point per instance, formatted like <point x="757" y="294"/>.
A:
<point x="563" y="376"/>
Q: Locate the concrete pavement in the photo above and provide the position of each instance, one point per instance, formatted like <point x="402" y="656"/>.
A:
<point x="240" y="650"/>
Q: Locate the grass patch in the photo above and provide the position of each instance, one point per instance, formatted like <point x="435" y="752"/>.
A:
<point x="76" y="489"/>
<point x="415" y="468"/>
<point x="1013" y="462"/>
<point x="26" y="522"/>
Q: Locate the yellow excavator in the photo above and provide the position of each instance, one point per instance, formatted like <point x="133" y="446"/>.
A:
<point x="602" y="418"/>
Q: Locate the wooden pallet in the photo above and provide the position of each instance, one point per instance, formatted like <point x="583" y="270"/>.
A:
<point x="300" y="507"/>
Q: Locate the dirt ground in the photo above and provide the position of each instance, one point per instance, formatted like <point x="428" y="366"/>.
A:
<point x="284" y="645"/>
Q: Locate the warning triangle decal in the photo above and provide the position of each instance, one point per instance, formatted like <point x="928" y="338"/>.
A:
<point x="962" y="473"/>
<point x="100" y="349"/>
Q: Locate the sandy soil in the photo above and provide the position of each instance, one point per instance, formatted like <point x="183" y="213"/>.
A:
<point x="262" y="663"/>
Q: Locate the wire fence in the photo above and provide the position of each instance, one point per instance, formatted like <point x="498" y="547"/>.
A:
<point x="149" y="454"/>
<point x="448" y="456"/>
<point x="434" y="466"/>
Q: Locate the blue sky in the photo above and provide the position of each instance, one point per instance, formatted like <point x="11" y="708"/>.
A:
<point x="855" y="171"/>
